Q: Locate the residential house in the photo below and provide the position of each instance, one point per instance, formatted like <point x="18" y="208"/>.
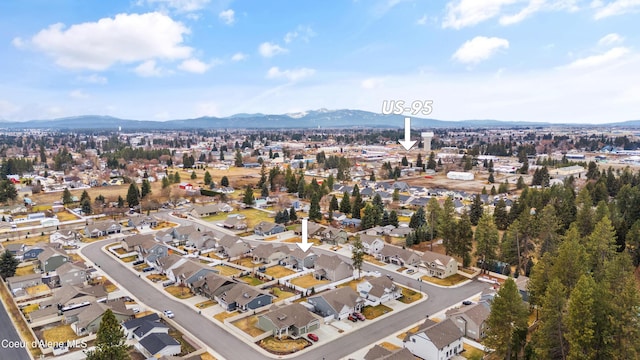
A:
<point x="265" y="228"/>
<point x="333" y="235"/>
<point x="69" y="296"/>
<point x="471" y="319"/>
<point x="51" y="259"/>
<point x="371" y="244"/>
<point x="299" y="259"/>
<point x="150" y="327"/>
<point x="338" y="303"/>
<point x="89" y="318"/>
<point x="102" y="228"/>
<point x="209" y="209"/>
<point x="169" y="262"/>
<point x="180" y="235"/>
<point x="213" y="285"/>
<point x="189" y="271"/>
<point x="292" y="320"/>
<point x="378" y="290"/>
<point x="267" y="253"/>
<point x="22" y="282"/>
<point x="243" y="297"/>
<point x="233" y="247"/>
<point x="32" y="253"/>
<point x="143" y="222"/>
<point x="522" y="282"/>
<point x="132" y="325"/>
<point x="313" y="230"/>
<point x="152" y="250"/>
<point x="399" y="256"/>
<point x="131" y="242"/>
<point x="438" y="265"/>
<point x="66" y="238"/>
<point x="332" y="268"/>
<point x="158" y="345"/>
<point x="351" y="222"/>
<point x="400" y="232"/>
<point x="380" y="353"/>
<point x="17" y="250"/>
<point x="71" y="274"/>
<point x="435" y="340"/>
<point x="235" y="223"/>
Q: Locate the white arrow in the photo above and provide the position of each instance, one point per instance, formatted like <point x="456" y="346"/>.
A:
<point x="304" y="245"/>
<point x="407" y="143"/>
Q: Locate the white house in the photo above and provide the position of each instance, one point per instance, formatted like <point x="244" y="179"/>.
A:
<point x="371" y="244"/>
<point x="65" y="238"/>
<point x="441" y="341"/>
<point x="438" y="265"/>
<point x="378" y="290"/>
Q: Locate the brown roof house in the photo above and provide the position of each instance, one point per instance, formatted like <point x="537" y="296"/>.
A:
<point x="292" y="320"/>
<point x="338" y="303"/>
<point x="267" y="253"/>
<point x="435" y="340"/>
<point x="471" y="319"/>
<point x="378" y="290"/>
<point x="332" y="268"/>
<point x="379" y="353"/>
<point x="243" y="297"/>
<point x="213" y="285"/>
<point x="399" y="256"/>
<point x="438" y="265"/>
<point x="102" y="228"/>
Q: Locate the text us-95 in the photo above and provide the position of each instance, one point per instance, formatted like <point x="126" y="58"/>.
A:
<point x="399" y="107"/>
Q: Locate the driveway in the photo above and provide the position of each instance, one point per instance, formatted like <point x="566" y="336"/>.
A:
<point x="231" y="347"/>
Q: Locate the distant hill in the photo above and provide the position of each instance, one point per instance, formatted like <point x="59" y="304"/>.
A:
<point x="321" y="118"/>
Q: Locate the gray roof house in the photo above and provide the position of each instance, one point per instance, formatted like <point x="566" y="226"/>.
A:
<point x="243" y="297"/>
<point x="378" y="290"/>
<point x="189" y="272"/>
<point x="399" y="256"/>
<point x="102" y="228"/>
<point x="130" y="326"/>
<point x="265" y="228"/>
<point x="71" y="274"/>
<point x="267" y="253"/>
<point x="300" y="259"/>
<point x="233" y="247"/>
<point x="292" y="320"/>
<point x="338" y="303"/>
<point x="152" y="250"/>
<point x="143" y="222"/>
<point x="379" y="353"/>
<point x="90" y="317"/>
<point x="371" y="244"/>
<point x="333" y="235"/>
<point x="213" y="285"/>
<point x="65" y="237"/>
<point x="438" y="265"/>
<point x="157" y="345"/>
<point x="51" y="259"/>
<point x="471" y="319"/>
<point x="435" y="340"/>
<point x="210" y="209"/>
<point x="332" y="268"/>
<point x="169" y="262"/>
<point x="24" y="281"/>
<point x="130" y="242"/>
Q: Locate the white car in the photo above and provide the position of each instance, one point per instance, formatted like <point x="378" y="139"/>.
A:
<point x="168" y="313"/>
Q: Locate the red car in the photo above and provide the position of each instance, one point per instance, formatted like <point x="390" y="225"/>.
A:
<point x="313" y="337"/>
<point x="352" y="318"/>
<point x="359" y="316"/>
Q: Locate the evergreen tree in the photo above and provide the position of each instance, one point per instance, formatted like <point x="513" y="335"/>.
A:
<point x="549" y="338"/>
<point x="503" y="188"/>
<point x="486" y="236"/>
<point x="476" y="210"/>
<point x="393" y="218"/>
<point x="224" y="181"/>
<point x="580" y="324"/>
<point x="507" y="322"/>
<point x="464" y="239"/>
<point x="133" y="196"/>
<point x="110" y="340"/>
<point x="194" y="175"/>
<point x="345" y="204"/>
<point x="120" y="201"/>
<point x="356" y="207"/>
<point x="86" y="207"/>
<point x="368" y="217"/>
<point x="263" y="176"/>
<point x="264" y="191"/>
<point x="207" y="178"/>
<point x="302" y="192"/>
<point x="493" y="191"/>
<point x="84" y="196"/>
<point x="314" y="209"/>
<point x="176" y="178"/>
<point x="418" y="218"/>
<point x="248" y="198"/>
<point x="8" y="265"/>
<point x="356" y="191"/>
<point x="333" y="204"/>
<point x="66" y="197"/>
<point x="491" y="178"/>
<point x="447" y="226"/>
<point x="238" y="158"/>
<point x="633" y="243"/>
<point x="357" y="255"/>
<point x="396" y="195"/>
<point x="404" y="161"/>
<point x="601" y="246"/>
<point x="431" y="163"/>
<point x="330" y="182"/>
<point x="520" y="184"/>
<point x="145" y="189"/>
<point x="165" y="182"/>
<point x="419" y="163"/>
<point x="500" y="215"/>
<point x="292" y="214"/>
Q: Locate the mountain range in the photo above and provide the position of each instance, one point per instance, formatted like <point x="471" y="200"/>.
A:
<point x="321" y="118"/>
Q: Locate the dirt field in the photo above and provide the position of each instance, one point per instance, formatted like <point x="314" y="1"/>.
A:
<point x="441" y="181"/>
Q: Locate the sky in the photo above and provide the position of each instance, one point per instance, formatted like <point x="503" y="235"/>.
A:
<point x="570" y="61"/>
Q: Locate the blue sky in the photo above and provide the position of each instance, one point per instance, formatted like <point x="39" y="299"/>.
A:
<point x="529" y="60"/>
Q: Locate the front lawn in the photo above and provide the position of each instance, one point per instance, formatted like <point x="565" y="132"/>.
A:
<point x="60" y="333"/>
<point x="279" y="271"/>
<point x="109" y="286"/>
<point x="249" y="326"/>
<point x="409" y="296"/>
<point x="253" y="281"/>
<point x="181" y="292"/>
<point x="372" y="312"/>
<point x="448" y="281"/>
<point x="224" y="315"/>
<point x="30" y="308"/>
<point x="373" y="260"/>
<point x="227" y="270"/>
<point x="308" y="281"/>
<point x="205" y="304"/>
<point x="129" y="259"/>
<point x="120" y="251"/>
<point x="284" y="346"/>
<point x="389" y="346"/>
<point x="157" y="277"/>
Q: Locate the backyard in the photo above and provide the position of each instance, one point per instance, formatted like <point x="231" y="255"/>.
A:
<point x="60" y="333"/>
<point x="66" y="216"/>
<point x="226" y="270"/>
<point x="249" y="325"/>
<point x="246" y="262"/>
<point x="25" y="270"/>
<point x="409" y="296"/>
<point x="281" y="292"/>
<point x="284" y="346"/>
<point x="308" y="281"/>
<point x="252" y="280"/>
<point x="180" y="292"/>
<point x="223" y="315"/>
<point x="185" y="346"/>
<point x="448" y="281"/>
<point x="372" y="312"/>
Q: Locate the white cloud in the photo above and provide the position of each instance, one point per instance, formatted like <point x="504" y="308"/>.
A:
<point x="610" y="39"/>
<point x="194" y="66"/>
<point x="178" y="5"/>
<point x="207" y="108"/>
<point x="7" y="108"/>
<point x="616" y="7"/>
<point x="371" y="83"/>
<point x="600" y="59"/>
<point x="93" y="79"/>
<point x="126" y="38"/>
<point x="465" y="13"/>
<point x="227" y="16"/>
<point x="291" y="75"/>
<point x="78" y="94"/>
<point x="18" y="42"/>
<point x="423" y="20"/>
<point x="533" y="7"/>
<point x="148" y="69"/>
<point x="479" y="49"/>
<point x="267" y="49"/>
<point x="304" y="33"/>
<point x="239" y="57"/>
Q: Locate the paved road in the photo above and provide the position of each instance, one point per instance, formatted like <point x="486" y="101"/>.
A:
<point x="232" y="348"/>
<point x="9" y="333"/>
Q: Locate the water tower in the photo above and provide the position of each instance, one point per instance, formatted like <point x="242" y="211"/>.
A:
<point x="426" y="141"/>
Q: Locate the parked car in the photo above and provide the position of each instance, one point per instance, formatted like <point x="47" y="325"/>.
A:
<point x="313" y="337"/>
<point x="147" y="269"/>
<point x="410" y="271"/>
<point x="168" y="283"/>
<point x="353" y="318"/>
<point x="138" y="262"/>
<point x="359" y="316"/>
<point x="390" y="277"/>
<point x="467" y="302"/>
<point x="168" y="313"/>
<point x="262" y="268"/>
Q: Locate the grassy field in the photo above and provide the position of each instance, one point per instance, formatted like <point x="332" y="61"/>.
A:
<point x="308" y="281"/>
<point x="25" y="270"/>
<point x="281" y="294"/>
<point x="227" y="270"/>
<point x="179" y="291"/>
<point x="409" y="296"/>
<point x="66" y="216"/>
<point x="205" y="304"/>
<point x="278" y="271"/>
<point x="249" y="326"/>
<point x="223" y="315"/>
<point x="246" y="262"/>
<point x="372" y="312"/>
<point x="60" y="333"/>
<point x="29" y="308"/>
<point x="449" y="281"/>
<point x="253" y="216"/>
<point x="373" y="260"/>
<point x="31" y="240"/>
<point x="165" y="225"/>
<point x="253" y="281"/>
<point x="472" y="353"/>
<point x="38" y="289"/>
<point x="284" y="346"/>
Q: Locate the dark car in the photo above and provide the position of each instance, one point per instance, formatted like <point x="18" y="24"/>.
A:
<point x="353" y="318"/>
<point x="313" y="337"/>
<point x="359" y="316"/>
<point x="467" y="302"/>
<point x="147" y="269"/>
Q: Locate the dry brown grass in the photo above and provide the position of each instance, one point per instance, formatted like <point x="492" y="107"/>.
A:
<point x="401" y="336"/>
<point x="205" y="304"/>
<point x="157" y="277"/>
<point x="409" y="296"/>
<point x="389" y="346"/>
<point x="308" y="281"/>
<point x="281" y="294"/>
<point x="60" y="333"/>
<point x="224" y="315"/>
<point x="165" y="225"/>
<point x="30" y="308"/>
<point x="143" y="314"/>
<point x="294" y="240"/>
<point x="181" y="292"/>
<point x="18" y="321"/>
<point x="471" y="353"/>
<point x="448" y="281"/>
<point x="25" y="270"/>
<point x="227" y="270"/>
<point x="373" y="260"/>
<point x="284" y="346"/>
<point x="31" y="240"/>
<point x="249" y="326"/>
<point x="66" y="216"/>
<point x="246" y="262"/>
<point x="207" y="356"/>
<point x="372" y="312"/>
<point x="38" y="290"/>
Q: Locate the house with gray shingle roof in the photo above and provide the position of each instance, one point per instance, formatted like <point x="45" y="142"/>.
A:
<point x="471" y="319"/>
<point x="292" y="320"/>
<point x="435" y="340"/>
<point x="332" y="268"/>
<point x="438" y="265"/>
<point x="338" y="303"/>
<point x="378" y="290"/>
<point x="379" y="353"/>
<point x="159" y="344"/>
